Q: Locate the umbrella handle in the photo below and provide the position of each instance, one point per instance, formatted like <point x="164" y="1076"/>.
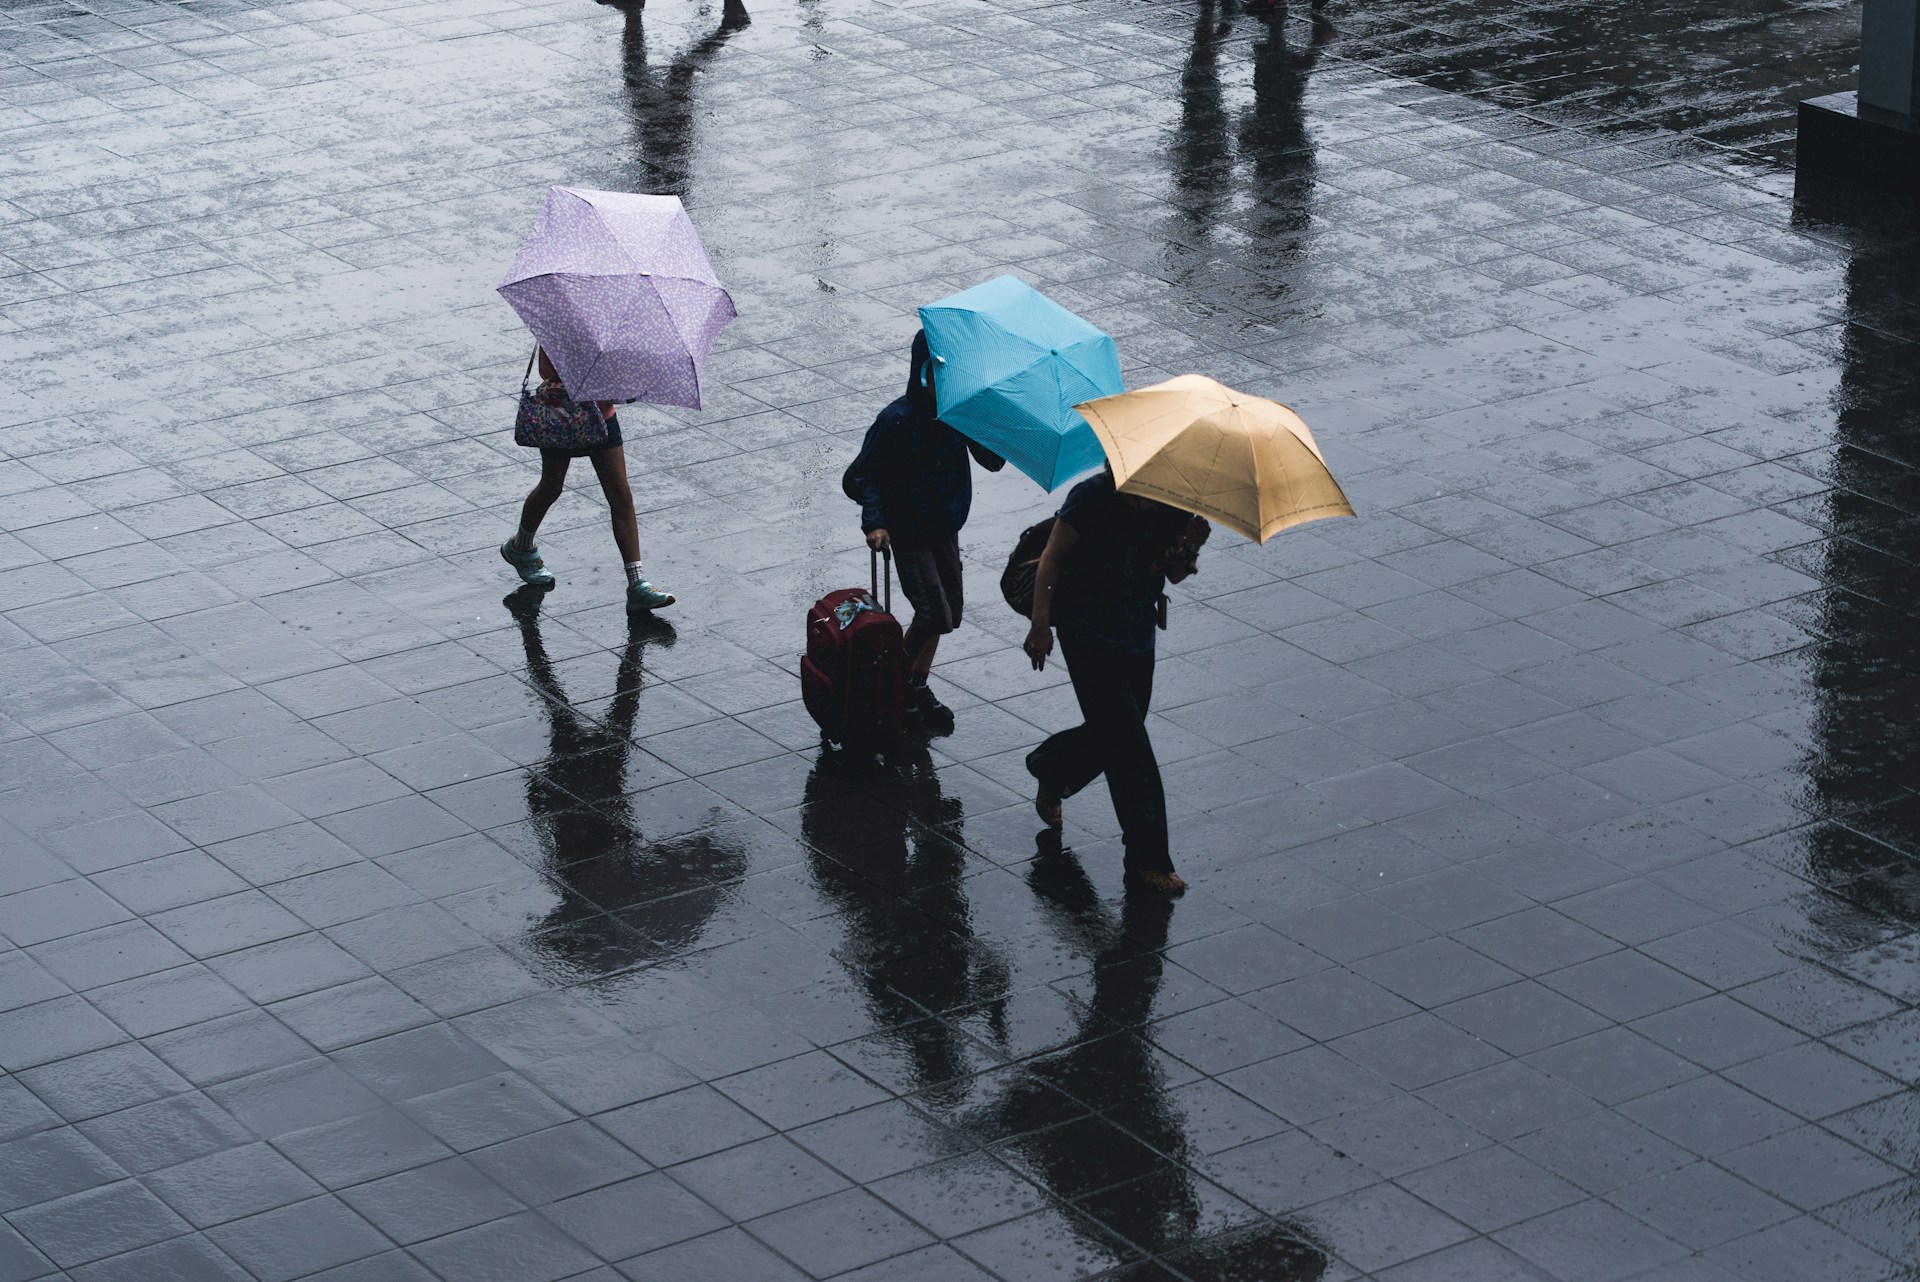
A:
<point x="873" y="565"/>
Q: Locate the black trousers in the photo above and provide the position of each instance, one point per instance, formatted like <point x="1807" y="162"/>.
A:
<point x="1114" y="689"/>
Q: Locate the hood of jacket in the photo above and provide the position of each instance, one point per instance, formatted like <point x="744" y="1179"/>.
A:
<point x="920" y="397"/>
<point x="912" y="475"/>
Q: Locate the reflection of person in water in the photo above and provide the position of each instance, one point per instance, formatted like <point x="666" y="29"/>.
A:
<point x="626" y="900"/>
<point x="1202" y="163"/>
<point x="1273" y="132"/>
<point x="1128" y="1169"/>
<point x="661" y="99"/>
<point x="1271" y="137"/>
<point x="888" y="853"/>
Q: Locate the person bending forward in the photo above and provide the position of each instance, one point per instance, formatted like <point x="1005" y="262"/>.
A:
<point x="1100" y="581"/>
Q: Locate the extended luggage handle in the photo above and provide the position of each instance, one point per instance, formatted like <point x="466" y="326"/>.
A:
<point x="873" y="565"/>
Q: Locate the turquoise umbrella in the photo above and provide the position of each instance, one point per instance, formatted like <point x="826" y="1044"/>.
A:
<point x="1009" y="366"/>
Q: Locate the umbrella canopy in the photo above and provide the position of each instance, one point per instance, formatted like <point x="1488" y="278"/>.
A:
<point x="1192" y="443"/>
<point x="619" y="292"/>
<point x="1009" y="366"/>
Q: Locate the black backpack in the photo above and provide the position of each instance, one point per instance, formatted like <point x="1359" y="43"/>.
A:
<point x="1016" y="581"/>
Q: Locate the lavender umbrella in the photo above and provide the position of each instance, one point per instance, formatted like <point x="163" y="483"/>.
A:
<point x="619" y="292"/>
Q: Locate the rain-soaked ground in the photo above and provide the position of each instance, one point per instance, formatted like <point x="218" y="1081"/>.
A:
<point x="1552" y="825"/>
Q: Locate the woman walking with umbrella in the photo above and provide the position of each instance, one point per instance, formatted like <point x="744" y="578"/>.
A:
<point x="625" y="306"/>
<point x="609" y="459"/>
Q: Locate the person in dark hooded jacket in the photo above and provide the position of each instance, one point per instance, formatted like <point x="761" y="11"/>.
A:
<point x="914" y="485"/>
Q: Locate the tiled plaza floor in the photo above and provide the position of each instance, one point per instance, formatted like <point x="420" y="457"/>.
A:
<point x="1552" y="824"/>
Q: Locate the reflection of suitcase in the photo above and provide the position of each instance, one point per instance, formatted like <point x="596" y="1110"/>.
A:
<point x="853" y="676"/>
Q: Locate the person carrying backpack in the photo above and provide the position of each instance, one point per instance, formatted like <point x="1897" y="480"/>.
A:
<point x="1100" y="580"/>
<point x="914" y="485"/>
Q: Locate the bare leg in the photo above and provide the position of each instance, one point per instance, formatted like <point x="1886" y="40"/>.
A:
<point x="546" y="492"/>
<point x="920" y="651"/>
<point x="610" y="465"/>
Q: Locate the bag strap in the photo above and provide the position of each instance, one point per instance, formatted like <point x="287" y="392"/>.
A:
<point x="529" y="374"/>
<point x="873" y="565"/>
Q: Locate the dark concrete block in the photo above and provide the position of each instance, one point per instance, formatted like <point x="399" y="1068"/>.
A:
<point x="1840" y="138"/>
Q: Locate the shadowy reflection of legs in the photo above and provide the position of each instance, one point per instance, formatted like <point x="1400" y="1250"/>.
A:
<point x="1095" y="1120"/>
<point x="660" y="101"/>
<point x="885" y="847"/>
<point x="623" y="901"/>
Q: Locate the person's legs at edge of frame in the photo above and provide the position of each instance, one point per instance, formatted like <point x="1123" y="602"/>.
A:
<point x="520" y="551"/>
<point x="610" y="465"/>
<point x="930" y="580"/>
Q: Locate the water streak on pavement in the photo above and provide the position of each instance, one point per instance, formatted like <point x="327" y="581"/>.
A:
<point x="1552" y="825"/>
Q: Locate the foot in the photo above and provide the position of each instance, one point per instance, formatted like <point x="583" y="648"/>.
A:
<point x="644" y="596"/>
<point x="1046" y="804"/>
<point x="1046" y="798"/>
<point x="527" y="564"/>
<point x="1170" y="884"/>
<point x="921" y="703"/>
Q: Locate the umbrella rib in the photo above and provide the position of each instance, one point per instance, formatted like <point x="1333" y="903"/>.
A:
<point x="1259" y="488"/>
<point x="600" y="225"/>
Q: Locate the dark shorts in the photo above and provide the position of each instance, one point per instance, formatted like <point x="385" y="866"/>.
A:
<point x="930" y="580"/>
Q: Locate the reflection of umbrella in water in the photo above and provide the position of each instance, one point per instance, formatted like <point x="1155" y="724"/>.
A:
<point x="627" y="900"/>
<point x="1191" y="443"/>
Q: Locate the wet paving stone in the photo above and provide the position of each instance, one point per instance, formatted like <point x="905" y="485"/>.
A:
<point x="1552" y="825"/>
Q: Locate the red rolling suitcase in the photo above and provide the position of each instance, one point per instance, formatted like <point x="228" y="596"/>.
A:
<point x="853" y="675"/>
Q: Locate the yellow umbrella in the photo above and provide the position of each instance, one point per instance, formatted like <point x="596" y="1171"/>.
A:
<point x="1247" y="462"/>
